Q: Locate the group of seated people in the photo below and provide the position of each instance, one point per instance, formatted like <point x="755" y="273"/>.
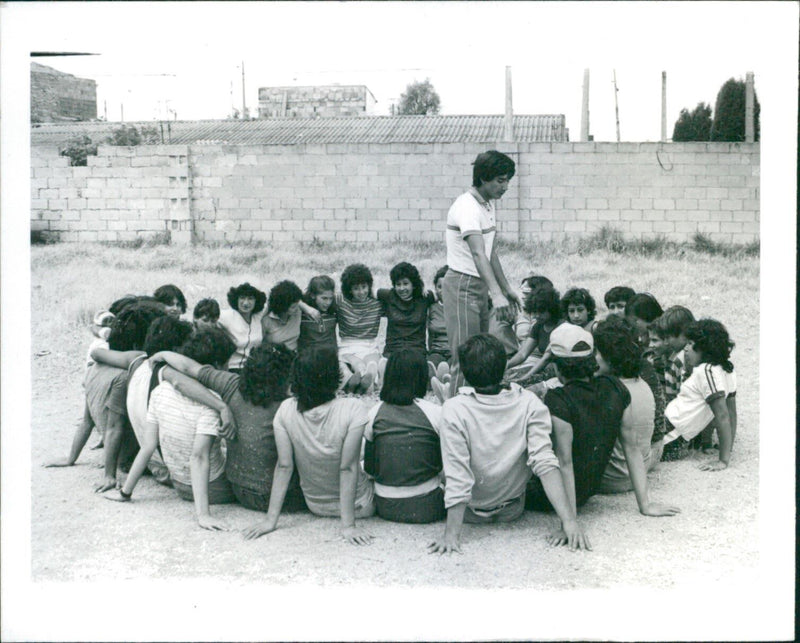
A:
<point x="276" y="409"/>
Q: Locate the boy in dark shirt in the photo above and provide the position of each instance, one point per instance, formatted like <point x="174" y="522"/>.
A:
<point x="586" y="413"/>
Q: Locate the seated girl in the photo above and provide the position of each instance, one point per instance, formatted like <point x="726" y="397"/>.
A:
<point x="707" y="398"/>
<point x="172" y="298"/>
<point x="632" y="457"/>
<point x="578" y="307"/>
<point x="438" y="344"/>
<point x="527" y="318"/>
<point x="188" y="434"/>
<point x="206" y="314"/>
<point x="321" y="434"/>
<point x="545" y="304"/>
<point x="281" y="324"/>
<point x="253" y="397"/>
<point x="318" y="330"/>
<point x="402" y="451"/>
<point x="242" y="321"/>
<point x="406" y="310"/>
<point x="359" y="316"/>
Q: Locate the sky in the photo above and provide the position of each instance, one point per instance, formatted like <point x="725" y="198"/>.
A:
<point x="167" y="60"/>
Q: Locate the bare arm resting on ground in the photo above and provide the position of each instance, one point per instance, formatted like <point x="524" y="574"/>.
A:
<point x="451" y="540"/>
<point x="280" y="483"/>
<point x="199" y="467"/>
<point x="348" y="478"/>
<point x="725" y="430"/>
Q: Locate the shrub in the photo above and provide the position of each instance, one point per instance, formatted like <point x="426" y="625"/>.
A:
<point x="130" y="136"/>
<point x="78" y="149"/>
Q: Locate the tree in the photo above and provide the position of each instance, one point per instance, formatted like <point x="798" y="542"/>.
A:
<point x="128" y="136"/>
<point x="694" y="125"/>
<point x="78" y="149"/>
<point x="729" y="113"/>
<point x="420" y="98"/>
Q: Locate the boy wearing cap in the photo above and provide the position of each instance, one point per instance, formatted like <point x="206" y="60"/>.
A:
<point x="586" y="413"/>
<point x="492" y="439"/>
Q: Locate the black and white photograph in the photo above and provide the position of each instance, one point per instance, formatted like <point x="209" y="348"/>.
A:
<point x="398" y="320"/>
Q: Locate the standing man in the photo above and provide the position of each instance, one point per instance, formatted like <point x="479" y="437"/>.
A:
<point x="475" y="273"/>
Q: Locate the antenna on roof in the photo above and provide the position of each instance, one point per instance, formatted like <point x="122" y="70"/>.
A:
<point x="616" y="102"/>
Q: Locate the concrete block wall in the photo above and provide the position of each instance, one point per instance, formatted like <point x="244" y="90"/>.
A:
<point x="58" y="96"/>
<point x="385" y="192"/>
<point x="318" y="100"/>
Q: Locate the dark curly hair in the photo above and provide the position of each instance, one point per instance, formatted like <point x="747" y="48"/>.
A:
<point x="482" y="359"/>
<point x="206" y="308"/>
<point x="246" y="290"/>
<point x="673" y="323"/>
<point x="315" y="377"/>
<point x="711" y="340"/>
<point x="618" y="293"/>
<point x="129" y="328"/>
<point x="544" y="300"/>
<point x="489" y="165"/>
<point x="644" y="306"/>
<point x="316" y="286"/>
<point x="264" y="379"/>
<point x="576" y="368"/>
<point x="576" y="297"/>
<point x="209" y="346"/>
<point x="353" y="275"/>
<point x="282" y="296"/>
<point x="168" y="293"/>
<point x="405" y="270"/>
<point x="405" y="378"/>
<point x="615" y="338"/>
<point x="166" y="334"/>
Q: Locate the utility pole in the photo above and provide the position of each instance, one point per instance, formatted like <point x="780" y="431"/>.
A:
<point x="509" y="118"/>
<point x="663" y="106"/>
<point x="616" y="102"/>
<point x="585" y="107"/>
<point x="749" y="106"/>
<point x="244" y="106"/>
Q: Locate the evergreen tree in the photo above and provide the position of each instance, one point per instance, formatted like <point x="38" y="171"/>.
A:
<point x="694" y="125"/>
<point x="729" y="113"/>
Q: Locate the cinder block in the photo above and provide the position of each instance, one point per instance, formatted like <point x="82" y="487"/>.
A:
<point x="343" y="235"/>
<point x="731" y="204"/>
<point x="663" y="204"/>
<point x="708" y="226"/>
<point x="663" y="226"/>
<point x="639" y="227"/>
<point x="744" y="216"/>
<point x="409" y="214"/>
<point x="708" y="204"/>
<point x="720" y="215"/>
<point x="368" y="236"/>
<point x="355" y="224"/>
<point x="631" y="215"/>
<point x="686" y="204"/>
<point x="57" y="204"/>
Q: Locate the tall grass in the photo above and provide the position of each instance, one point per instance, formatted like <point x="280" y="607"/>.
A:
<point x="71" y="282"/>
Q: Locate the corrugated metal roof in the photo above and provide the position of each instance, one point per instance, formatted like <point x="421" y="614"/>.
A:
<point x="353" y="129"/>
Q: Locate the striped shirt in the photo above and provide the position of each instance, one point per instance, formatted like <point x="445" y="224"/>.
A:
<point x="467" y="216"/>
<point x="359" y="320"/>
<point x="179" y="419"/>
<point x="691" y="412"/>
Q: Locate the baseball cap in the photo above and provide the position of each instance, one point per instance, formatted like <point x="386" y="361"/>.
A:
<point x="569" y="340"/>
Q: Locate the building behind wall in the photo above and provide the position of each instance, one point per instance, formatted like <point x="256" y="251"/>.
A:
<point x="312" y="101"/>
<point x="56" y="96"/>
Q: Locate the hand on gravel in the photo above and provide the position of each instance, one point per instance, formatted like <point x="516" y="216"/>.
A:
<point x="713" y="465"/>
<point x="256" y="530"/>
<point x="108" y="483"/>
<point x="212" y="524"/>
<point x="357" y="535"/>
<point x="659" y="509"/>
<point x="445" y="545"/>
<point x="63" y="462"/>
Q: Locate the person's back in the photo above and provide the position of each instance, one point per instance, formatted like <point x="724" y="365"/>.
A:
<point x="317" y="436"/>
<point x="639" y="415"/>
<point x="594" y="408"/>
<point x="250" y="459"/>
<point x="495" y="468"/>
<point x="179" y="419"/>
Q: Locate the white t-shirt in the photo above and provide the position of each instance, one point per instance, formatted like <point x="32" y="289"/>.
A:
<point x="466" y="217"/>
<point x="690" y="412"/>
